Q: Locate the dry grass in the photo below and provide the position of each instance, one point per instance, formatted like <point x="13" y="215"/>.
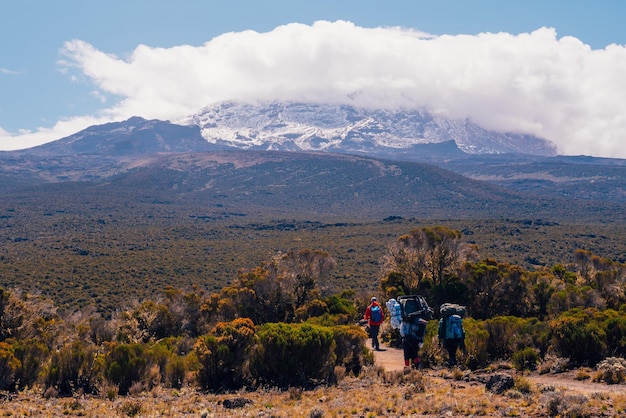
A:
<point x="376" y="393"/>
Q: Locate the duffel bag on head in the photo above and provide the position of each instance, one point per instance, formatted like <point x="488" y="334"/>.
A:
<point x="448" y="309"/>
<point x="414" y="307"/>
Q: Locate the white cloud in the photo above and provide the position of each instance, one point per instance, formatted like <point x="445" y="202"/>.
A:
<point x="535" y="83"/>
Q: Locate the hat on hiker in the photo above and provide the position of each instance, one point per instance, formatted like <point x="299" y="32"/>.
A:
<point x="373" y="298"/>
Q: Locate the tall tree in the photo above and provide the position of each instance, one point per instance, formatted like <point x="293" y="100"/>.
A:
<point x="430" y="253"/>
<point x="407" y="259"/>
<point x="301" y="270"/>
<point x="275" y="289"/>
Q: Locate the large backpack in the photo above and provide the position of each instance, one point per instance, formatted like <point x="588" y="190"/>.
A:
<point x="415" y="330"/>
<point x="395" y="311"/>
<point x="448" y="309"/>
<point x="414" y="307"/>
<point x="454" y="327"/>
<point x="376" y="313"/>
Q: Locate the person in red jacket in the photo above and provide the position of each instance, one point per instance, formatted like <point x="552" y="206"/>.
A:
<point x="375" y="316"/>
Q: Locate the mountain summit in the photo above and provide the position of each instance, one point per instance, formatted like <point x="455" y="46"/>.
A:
<point x="293" y="126"/>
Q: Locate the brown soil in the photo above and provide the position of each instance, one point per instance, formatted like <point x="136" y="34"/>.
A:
<point x="391" y="359"/>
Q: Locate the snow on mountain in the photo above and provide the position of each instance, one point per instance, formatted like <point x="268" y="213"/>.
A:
<point x="343" y="128"/>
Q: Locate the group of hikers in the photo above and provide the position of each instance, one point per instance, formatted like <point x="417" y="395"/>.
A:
<point x="410" y="315"/>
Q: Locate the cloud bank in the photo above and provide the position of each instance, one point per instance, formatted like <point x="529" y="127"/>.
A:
<point x="535" y="83"/>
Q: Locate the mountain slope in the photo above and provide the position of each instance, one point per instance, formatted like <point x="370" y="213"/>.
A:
<point x="578" y="177"/>
<point x="102" y="150"/>
<point x="287" y="183"/>
<point x="130" y="138"/>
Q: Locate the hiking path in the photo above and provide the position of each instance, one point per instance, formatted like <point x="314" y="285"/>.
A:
<point x="392" y="359"/>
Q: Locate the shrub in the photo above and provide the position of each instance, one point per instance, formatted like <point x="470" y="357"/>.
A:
<point x="156" y="321"/>
<point x="582" y="374"/>
<point x="615" y="329"/>
<point x="101" y="330"/>
<point x="26" y="316"/>
<point x="31" y="354"/>
<point x="578" y="336"/>
<point x="9" y="366"/>
<point x="570" y="406"/>
<point x="338" y="304"/>
<point x="523" y="385"/>
<point x="293" y="354"/>
<point x="131" y="408"/>
<point x="175" y="372"/>
<point x="171" y="365"/>
<point x="350" y="349"/>
<point x="312" y="308"/>
<point x="509" y="334"/>
<point x="222" y="356"/>
<point x="612" y="370"/>
<point x="73" y="368"/>
<point x="126" y="364"/>
<point x="476" y="341"/>
<point x="525" y="359"/>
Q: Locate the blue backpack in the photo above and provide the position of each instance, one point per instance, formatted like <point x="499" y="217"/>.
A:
<point x="454" y="327"/>
<point x="376" y="314"/>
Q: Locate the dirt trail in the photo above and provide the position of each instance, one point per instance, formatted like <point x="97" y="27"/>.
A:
<point x="392" y="359"/>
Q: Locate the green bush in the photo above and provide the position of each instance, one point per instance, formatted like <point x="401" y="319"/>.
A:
<point x="578" y="336"/>
<point x="350" y="349"/>
<point x="293" y="355"/>
<point x="73" y="368"/>
<point x="222" y="356"/>
<point x="156" y="321"/>
<point x="9" y="366"/>
<point x="126" y="364"/>
<point x="615" y="330"/>
<point x="172" y="366"/>
<point x="525" y="359"/>
<point x="310" y="309"/>
<point x="509" y="334"/>
<point x="32" y="354"/>
<point x="476" y="342"/>
<point x="337" y="304"/>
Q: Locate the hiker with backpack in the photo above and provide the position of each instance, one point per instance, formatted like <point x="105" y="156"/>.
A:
<point x="412" y="333"/>
<point x="451" y="332"/>
<point x="410" y="315"/>
<point x="375" y="316"/>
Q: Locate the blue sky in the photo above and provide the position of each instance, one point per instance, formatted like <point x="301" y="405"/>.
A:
<point x="66" y="64"/>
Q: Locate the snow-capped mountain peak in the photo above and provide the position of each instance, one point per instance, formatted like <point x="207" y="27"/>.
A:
<point x="348" y="129"/>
